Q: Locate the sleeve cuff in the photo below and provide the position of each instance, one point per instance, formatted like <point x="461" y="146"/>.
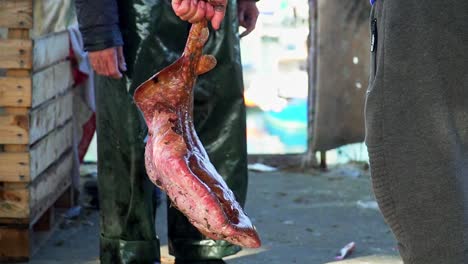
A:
<point x="101" y="37"/>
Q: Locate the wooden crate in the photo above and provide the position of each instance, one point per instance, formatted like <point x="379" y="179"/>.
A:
<point x="35" y="129"/>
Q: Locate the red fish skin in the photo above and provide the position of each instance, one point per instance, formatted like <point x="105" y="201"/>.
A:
<point x="192" y="196"/>
<point x="176" y="160"/>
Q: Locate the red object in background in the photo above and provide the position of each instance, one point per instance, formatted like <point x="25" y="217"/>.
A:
<point x="88" y="132"/>
<point x="90" y="126"/>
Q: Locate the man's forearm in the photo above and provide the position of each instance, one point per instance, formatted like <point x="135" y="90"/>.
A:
<point x="99" y="24"/>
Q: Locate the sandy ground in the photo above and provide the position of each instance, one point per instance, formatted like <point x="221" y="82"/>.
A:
<point x="302" y="217"/>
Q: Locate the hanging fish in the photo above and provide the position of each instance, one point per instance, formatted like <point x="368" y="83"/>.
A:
<point x="176" y="160"/>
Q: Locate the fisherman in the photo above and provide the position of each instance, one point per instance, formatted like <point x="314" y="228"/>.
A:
<point x="129" y="41"/>
<point x="417" y="126"/>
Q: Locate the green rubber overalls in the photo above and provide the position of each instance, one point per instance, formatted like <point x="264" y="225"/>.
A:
<point x="154" y="37"/>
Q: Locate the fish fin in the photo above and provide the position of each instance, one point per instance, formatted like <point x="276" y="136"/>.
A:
<point x="206" y="64"/>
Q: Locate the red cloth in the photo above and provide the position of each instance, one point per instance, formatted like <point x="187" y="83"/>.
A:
<point x="90" y="126"/>
<point x="78" y="77"/>
<point x="88" y="132"/>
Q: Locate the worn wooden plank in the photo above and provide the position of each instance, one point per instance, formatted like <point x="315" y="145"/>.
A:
<point x="14" y="200"/>
<point x="49" y="116"/>
<point x="18" y="73"/>
<point x="49" y="149"/>
<point x="18" y="33"/>
<point x="14" y="167"/>
<point x="51" y="81"/>
<point x="14" y="110"/>
<point x="50" y="185"/>
<point x="15" y="91"/>
<point x="14" y="127"/>
<point x="50" y="49"/>
<point x="15" y="244"/>
<point x="15" y="54"/>
<point x="19" y="127"/>
<point x="30" y="201"/>
<point x="25" y="166"/>
<point x="15" y="148"/>
<point x="24" y="208"/>
<point x="16" y="13"/>
<point x="22" y="94"/>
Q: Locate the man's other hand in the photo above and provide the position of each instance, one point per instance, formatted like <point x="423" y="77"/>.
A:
<point x="194" y="11"/>
<point x="247" y="12"/>
<point x="109" y="62"/>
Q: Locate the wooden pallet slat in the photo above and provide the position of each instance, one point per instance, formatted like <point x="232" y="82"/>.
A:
<point x="15" y="91"/>
<point x="15" y="54"/>
<point x="14" y="126"/>
<point x="49" y="116"/>
<point x="30" y="200"/>
<point x="17" y="126"/>
<point x="14" y="167"/>
<point x="15" y="148"/>
<point x="26" y="166"/>
<point x="50" y="49"/>
<point x="46" y="151"/>
<point x="49" y="186"/>
<point x="35" y="203"/>
<point x="16" y="13"/>
<point x="14" y="200"/>
<point x="15" y="243"/>
<point x="51" y="81"/>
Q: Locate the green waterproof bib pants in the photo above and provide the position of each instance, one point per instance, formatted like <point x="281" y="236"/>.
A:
<point x="154" y="37"/>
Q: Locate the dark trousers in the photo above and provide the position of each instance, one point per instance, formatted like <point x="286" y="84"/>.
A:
<point x="417" y="126"/>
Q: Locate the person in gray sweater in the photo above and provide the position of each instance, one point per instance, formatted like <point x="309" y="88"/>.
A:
<point x="417" y="126"/>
